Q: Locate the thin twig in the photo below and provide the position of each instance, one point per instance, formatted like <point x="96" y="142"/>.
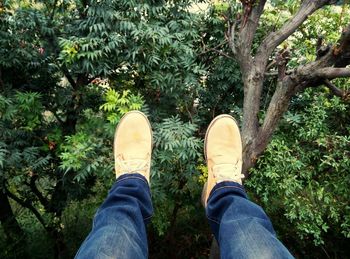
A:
<point x="335" y="90"/>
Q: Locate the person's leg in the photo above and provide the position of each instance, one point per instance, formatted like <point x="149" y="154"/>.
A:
<point x="119" y="226"/>
<point x="118" y="229"/>
<point x="241" y="227"/>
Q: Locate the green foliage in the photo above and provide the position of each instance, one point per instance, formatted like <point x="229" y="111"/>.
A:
<point x="17" y="153"/>
<point x="300" y="180"/>
<point x="174" y="170"/>
<point x="88" y="152"/>
<point x="69" y="71"/>
<point x="30" y="107"/>
<point x="117" y="105"/>
<point x="222" y="88"/>
<point x="79" y="150"/>
<point x="303" y="176"/>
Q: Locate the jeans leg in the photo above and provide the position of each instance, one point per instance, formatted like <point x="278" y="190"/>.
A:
<point x="119" y="226"/>
<point x="242" y="228"/>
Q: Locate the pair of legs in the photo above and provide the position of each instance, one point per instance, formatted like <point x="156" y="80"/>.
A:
<point x="241" y="227"/>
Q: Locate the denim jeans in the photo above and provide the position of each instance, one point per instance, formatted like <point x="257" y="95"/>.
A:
<point x="241" y="228"/>
<point x="119" y="226"/>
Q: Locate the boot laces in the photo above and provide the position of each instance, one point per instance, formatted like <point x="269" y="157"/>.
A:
<point x="130" y="166"/>
<point x="228" y="172"/>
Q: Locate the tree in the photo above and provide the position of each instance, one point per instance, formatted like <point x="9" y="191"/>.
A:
<point x="70" y="69"/>
<point x="253" y="49"/>
<point x="255" y="63"/>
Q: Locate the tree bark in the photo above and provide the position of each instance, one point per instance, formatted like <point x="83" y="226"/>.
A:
<point x="15" y="236"/>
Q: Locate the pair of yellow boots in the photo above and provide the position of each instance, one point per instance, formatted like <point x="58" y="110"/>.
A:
<point x="223" y="149"/>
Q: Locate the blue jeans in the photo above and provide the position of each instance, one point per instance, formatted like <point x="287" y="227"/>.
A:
<point x="241" y="228"/>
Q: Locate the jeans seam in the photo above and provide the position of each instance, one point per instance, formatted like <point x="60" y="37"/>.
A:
<point x="148" y="217"/>
<point x="212" y="219"/>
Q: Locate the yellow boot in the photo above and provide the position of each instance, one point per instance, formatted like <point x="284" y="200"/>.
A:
<point x="133" y="145"/>
<point x="223" y="152"/>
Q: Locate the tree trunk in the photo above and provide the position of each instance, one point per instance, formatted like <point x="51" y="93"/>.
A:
<point x="15" y="236"/>
<point x="60" y="248"/>
<point x="253" y="84"/>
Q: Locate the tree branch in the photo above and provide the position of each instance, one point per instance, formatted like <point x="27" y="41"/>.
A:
<point x="216" y="49"/>
<point x="275" y="73"/>
<point x="243" y="45"/>
<point x="326" y="66"/>
<point x="230" y="36"/>
<point x="275" y="38"/>
<point x="331" y="62"/>
<point x="277" y="106"/>
<point x="336" y="91"/>
<point x="282" y="59"/>
<point x="309" y="75"/>
<point x="35" y="190"/>
<point x="332" y="72"/>
<point x="221" y="53"/>
<point x="250" y="23"/>
<point x="29" y="206"/>
<point x="69" y="77"/>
